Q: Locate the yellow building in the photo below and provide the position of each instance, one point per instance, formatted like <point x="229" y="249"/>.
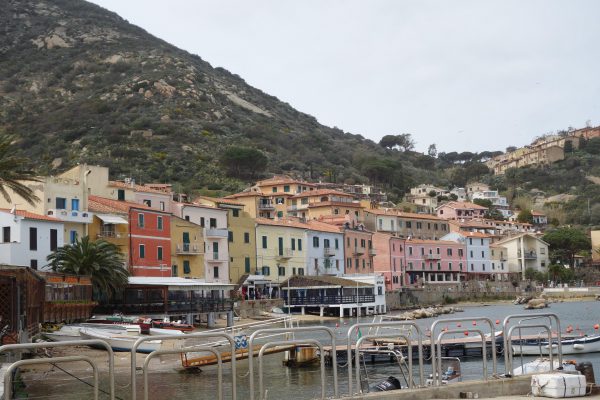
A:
<point x="322" y="203"/>
<point x="280" y="248"/>
<point x="279" y="184"/>
<point x="242" y="235"/>
<point x="110" y="224"/>
<point x="187" y="249"/>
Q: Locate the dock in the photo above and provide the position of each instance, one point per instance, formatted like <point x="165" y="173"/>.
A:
<point x="240" y="354"/>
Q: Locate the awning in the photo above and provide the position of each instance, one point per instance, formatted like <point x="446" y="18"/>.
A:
<point x="112" y="219"/>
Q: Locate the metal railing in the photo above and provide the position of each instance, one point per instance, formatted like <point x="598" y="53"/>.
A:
<point x="331" y="299"/>
<point x="229" y="338"/>
<point x="397" y="324"/>
<point x="508" y="341"/>
<point x="437" y="379"/>
<point x="437" y="375"/>
<point x="96" y="342"/>
<point x="54" y="360"/>
<point x="292" y="331"/>
<point x="510" y="350"/>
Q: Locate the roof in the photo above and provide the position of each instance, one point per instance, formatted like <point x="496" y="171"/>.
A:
<point x="178" y="283"/>
<point x="476" y="234"/>
<point x="321" y="192"/>
<point x="426" y="241"/>
<point x="220" y="200"/>
<point x="463" y="205"/>
<point x="136" y="188"/>
<point x="304" y="281"/>
<point x="335" y="203"/>
<point x="30" y="215"/>
<point x="286" y="222"/>
<point x="281" y="179"/>
<point x="511" y="238"/>
<point x="105" y="205"/>
<point x="323" y="226"/>
<point x="537" y="213"/>
<point x="402" y="214"/>
<point x="472" y="223"/>
<point x="244" y="194"/>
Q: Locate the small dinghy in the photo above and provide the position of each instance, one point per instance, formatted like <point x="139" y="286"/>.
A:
<point x="120" y="341"/>
<point x="586" y="344"/>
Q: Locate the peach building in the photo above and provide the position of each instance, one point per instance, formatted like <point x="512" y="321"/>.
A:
<point x="434" y="261"/>
<point x="389" y="259"/>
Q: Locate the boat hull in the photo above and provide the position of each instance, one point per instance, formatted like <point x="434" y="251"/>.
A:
<point x="571" y="346"/>
<point x="120" y="342"/>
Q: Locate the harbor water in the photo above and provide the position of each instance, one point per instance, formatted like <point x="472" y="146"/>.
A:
<point x="168" y="382"/>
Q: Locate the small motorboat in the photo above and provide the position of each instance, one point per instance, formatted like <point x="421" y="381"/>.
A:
<point x="178" y="326"/>
<point x="535" y="347"/>
<point x="65" y="334"/>
<point x="119" y="341"/>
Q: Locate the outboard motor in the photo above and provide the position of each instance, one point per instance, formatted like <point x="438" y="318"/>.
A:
<point x="391" y="383"/>
<point x="587" y="369"/>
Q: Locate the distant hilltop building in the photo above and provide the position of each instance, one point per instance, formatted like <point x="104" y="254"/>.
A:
<point x="543" y="151"/>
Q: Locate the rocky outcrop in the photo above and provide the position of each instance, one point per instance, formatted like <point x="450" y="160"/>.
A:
<point x="428" y="312"/>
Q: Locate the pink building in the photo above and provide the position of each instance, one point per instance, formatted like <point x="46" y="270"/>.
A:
<point x="389" y="259"/>
<point x="461" y="210"/>
<point x="434" y="261"/>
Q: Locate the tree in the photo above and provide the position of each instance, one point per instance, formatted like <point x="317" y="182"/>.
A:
<point x="244" y="162"/>
<point x="101" y="260"/>
<point x="494" y="214"/>
<point x="403" y="141"/>
<point x="432" y="150"/>
<point x="510" y="149"/>
<point x="13" y="172"/>
<point x="483" y="203"/>
<point x="525" y="216"/>
<point x="565" y="243"/>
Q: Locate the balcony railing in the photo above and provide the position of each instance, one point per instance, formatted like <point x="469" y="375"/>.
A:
<point x="328" y="252"/>
<point x="433" y="257"/>
<point x="170" y="307"/>
<point x="188" y="248"/>
<point x="285" y="254"/>
<point x="217" y="257"/>
<point x="83" y="217"/>
<point x="528" y="255"/>
<point x="319" y="300"/>
<point x="266" y="206"/>
<point x="110" y="234"/>
<point x="216" y="233"/>
<point x="372" y="252"/>
<point x="359" y="251"/>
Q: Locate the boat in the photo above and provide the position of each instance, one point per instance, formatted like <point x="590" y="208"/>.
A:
<point x="64" y="334"/>
<point x="543" y="365"/>
<point x="160" y="331"/>
<point x="119" y="319"/>
<point x="585" y="344"/>
<point x="119" y="341"/>
<point x="162" y="324"/>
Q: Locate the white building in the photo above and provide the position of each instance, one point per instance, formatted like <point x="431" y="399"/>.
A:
<point x="324" y="249"/>
<point x="460" y="193"/>
<point x="216" y="238"/>
<point x="378" y="282"/>
<point x="479" y="264"/>
<point x="498" y="202"/>
<point x="526" y="251"/>
<point x="27" y="238"/>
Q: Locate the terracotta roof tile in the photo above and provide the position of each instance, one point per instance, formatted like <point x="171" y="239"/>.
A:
<point x="462" y="205"/>
<point x="321" y="192"/>
<point x="30" y="215"/>
<point x="103" y="204"/>
<point x="288" y="222"/>
<point x="219" y="200"/>
<point x="402" y="214"/>
<point x="135" y="187"/>
<point x="424" y="241"/>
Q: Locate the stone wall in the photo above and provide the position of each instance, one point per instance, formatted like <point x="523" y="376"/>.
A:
<point x="255" y="308"/>
<point x="449" y="293"/>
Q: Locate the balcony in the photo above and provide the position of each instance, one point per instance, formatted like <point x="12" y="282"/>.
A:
<point x="266" y="206"/>
<point x="82" y="217"/>
<point x="328" y="252"/>
<point x="432" y="257"/>
<point x="529" y="255"/>
<point x="359" y="251"/>
<point x="187" y="248"/>
<point x="321" y="300"/>
<point x="216" y="233"/>
<point x="372" y="252"/>
<point x="216" y="257"/>
<point x="285" y="254"/>
<point x="110" y="235"/>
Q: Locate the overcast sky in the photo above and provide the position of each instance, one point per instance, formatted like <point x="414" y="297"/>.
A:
<point x="467" y="75"/>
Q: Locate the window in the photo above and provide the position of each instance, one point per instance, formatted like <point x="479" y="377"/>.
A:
<point x="337" y="264"/>
<point x="246" y="237"/>
<point x="326" y="243"/>
<point x="422" y="251"/>
<point x="274" y="190"/>
<point x="186" y="267"/>
<point x="428" y="225"/>
<point x="542" y="250"/>
<point x="281" y="271"/>
<point x="73" y="237"/>
<point x="470" y="241"/>
<point x="315" y="241"/>
<point x="264" y="242"/>
<point x="299" y="244"/>
<point x="147" y="202"/>
<point x="419" y="225"/>
<point x="202" y="222"/>
<point x="363" y="263"/>
<point x="235" y="212"/>
<point x="410" y="251"/>
<point x="449" y="252"/>
<point x="482" y="254"/>
<point x="216" y="272"/>
<point x="266" y="270"/>
<point x="230" y="236"/>
<point x="162" y="206"/>
<point x="159" y="223"/>
<point x="437" y="250"/>
<point x="247" y="265"/>
<point x="460" y="252"/>
<point x="32" y="238"/>
<point x="53" y="239"/>
<point x="141" y="220"/>
<point x="337" y="244"/>
<point x="349" y="263"/>
<point x="213" y="222"/>
<point x="33" y="264"/>
<point x="483" y="266"/>
<point x="75" y="204"/>
<point x="293" y="244"/>
<point x="279" y="214"/>
<point x="121" y="194"/>
<point x="471" y="253"/>
<point x="142" y="251"/>
<point x="294" y="271"/>
<point x="159" y="253"/>
<point x="356" y="263"/>
<point x="363" y="243"/>
<point x="472" y="267"/>
<point x="301" y="271"/>
<point x="380" y="223"/>
<point x="286" y="188"/>
<point x="187" y="217"/>
<point x="6" y="234"/>
<point x="408" y="224"/>
<point x="450" y="266"/>
<point x="174" y="270"/>
<point x="439" y="265"/>
<point x="280" y="245"/>
<point x="61" y="203"/>
<point x="482" y="242"/>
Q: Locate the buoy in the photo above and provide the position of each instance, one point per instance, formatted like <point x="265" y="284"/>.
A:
<point x="596" y="326"/>
<point x="578" y="346"/>
<point x="337" y="324"/>
<point x="474" y="323"/>
<point x="458" y="325"/>
<point x="577" y="327"/>
<point x="466" y="333"/>
<point x="497" y="322"/>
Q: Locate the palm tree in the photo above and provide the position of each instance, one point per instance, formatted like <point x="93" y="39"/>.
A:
<point x="13" y="172"/>
<point x="101" y="260"/>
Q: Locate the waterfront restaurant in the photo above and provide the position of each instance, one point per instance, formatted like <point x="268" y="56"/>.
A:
<point x="157" y="297"/>
<point x="328" y="293"/>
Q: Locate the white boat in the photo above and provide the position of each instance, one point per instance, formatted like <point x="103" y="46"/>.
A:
<point x="586" y="344"/>
<point x="64" y="334"/>
<point x="120" y="341"/>
<point x="160" y="331"/>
